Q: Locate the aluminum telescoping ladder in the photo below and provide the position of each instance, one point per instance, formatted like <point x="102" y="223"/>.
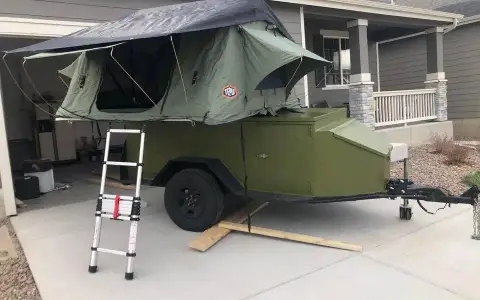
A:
<point x="117" y="207"/>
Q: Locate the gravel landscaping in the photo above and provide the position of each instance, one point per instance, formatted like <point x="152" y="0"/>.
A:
<point x="428" y="168"/>
<point x="16" y="280"/>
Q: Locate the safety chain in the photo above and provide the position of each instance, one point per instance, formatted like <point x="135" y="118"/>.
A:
<point x="476" y="219"/>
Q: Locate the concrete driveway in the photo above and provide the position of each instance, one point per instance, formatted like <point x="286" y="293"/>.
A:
<point x="429" y="257"/>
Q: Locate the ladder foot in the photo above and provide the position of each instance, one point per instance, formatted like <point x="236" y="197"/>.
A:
<point x="92" y="269"/>
<point x="128" y="276"/>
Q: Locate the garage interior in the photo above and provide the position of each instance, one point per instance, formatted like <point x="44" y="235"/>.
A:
<point x="74" y="150"/>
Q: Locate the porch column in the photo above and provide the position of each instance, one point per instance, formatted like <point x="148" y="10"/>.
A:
<point x="435" y="72"/>
<point x="362" y="106"/>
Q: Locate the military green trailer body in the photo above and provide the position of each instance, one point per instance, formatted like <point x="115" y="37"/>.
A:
<point x="318" y="152"/>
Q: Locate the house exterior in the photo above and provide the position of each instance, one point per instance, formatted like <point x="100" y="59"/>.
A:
<point x="461" y="63"/>
<point x="344" y="31"/>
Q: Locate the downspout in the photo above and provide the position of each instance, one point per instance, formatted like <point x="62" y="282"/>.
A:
<point x="378" y="66"/>
<point x="451" y="28"/>
<point x="304" y="45"/>
<point x="447" y="29"/>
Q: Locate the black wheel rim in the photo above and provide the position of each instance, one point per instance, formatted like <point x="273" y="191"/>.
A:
<point x="190" y="203"/>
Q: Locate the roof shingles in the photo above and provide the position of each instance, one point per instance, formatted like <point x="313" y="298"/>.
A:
<point x="467" y="8"/>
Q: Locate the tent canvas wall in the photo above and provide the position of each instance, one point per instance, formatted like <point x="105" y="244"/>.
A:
<point x="209" y="61"/>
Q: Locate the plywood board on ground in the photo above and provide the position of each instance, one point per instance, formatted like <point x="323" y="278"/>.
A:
<point x="290" y="236"/>
<point x="211" y="236"/>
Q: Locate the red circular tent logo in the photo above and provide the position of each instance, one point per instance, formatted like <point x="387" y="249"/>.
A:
<point x="230" y="91"/>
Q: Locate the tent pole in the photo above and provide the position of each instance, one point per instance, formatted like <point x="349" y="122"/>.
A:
<point x="5" y="167"/>
<point x="131" y="78"/>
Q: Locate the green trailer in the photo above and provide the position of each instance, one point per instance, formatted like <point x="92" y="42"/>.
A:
<point x="316" y="155"/>
<point x="309" y="153"/>
<point x="213" y="84"/>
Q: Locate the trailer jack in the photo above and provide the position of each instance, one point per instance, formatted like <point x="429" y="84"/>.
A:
<point x="407" y="190"/>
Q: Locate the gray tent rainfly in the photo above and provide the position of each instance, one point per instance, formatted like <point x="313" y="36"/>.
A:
<point x="209" y="61"/>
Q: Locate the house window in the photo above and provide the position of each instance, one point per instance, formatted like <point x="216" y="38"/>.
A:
<point x="336" y="50"/>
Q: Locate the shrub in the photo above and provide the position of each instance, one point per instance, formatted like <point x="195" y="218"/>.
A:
<point x="472" y="179"/>
<point x="456" y="154"/>
<point x="441" y="144"/>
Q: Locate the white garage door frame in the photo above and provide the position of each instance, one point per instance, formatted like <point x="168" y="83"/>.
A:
<point x="31" y="28"/>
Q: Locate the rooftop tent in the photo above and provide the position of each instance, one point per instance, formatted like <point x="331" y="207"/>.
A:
<point x="208" y="61"/>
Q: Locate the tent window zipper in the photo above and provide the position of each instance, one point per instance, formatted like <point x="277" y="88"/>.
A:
<point x="82" y="81"/>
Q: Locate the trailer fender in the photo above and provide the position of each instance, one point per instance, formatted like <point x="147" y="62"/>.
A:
<point x="215" y="167"/>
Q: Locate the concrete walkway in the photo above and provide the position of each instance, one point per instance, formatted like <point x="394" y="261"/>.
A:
<point x="429" y="257"/>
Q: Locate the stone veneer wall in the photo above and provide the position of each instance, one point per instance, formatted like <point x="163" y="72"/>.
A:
<point x="440" y="98"/>
<point x="362" y="105"/>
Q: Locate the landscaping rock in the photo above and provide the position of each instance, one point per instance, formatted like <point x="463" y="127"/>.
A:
<point x="429" y="168"/>
<point x="16" y="280"/>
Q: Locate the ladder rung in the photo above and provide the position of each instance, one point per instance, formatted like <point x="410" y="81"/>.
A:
<point x="112" y="197"/>
<point x="117" y="252"/>
<point x="125" y="131"/>
<point x="110" y="216"/>
<point x="108" y="207"/>
<point x="122" y="210"/>
<point x="121" y="163"/>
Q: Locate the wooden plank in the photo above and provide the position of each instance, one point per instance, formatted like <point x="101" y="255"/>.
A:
<point x="211" y="236"/>
<point x="111" y="184"/>
<point x="291" y="236"/>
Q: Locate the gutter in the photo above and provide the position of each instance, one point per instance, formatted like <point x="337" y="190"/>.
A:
<point x="40" y="28"/>
<point x="379" y="8"/>
<point x="469" y="20"/>
<point x="446" y="29"/>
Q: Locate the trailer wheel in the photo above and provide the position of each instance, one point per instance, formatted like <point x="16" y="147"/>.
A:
<point x="405" y="213"/>
<point x="194" y="200"/>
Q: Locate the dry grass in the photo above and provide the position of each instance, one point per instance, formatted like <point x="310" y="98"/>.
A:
<point x="441" y="143"/>
<point x="457" y="155"/>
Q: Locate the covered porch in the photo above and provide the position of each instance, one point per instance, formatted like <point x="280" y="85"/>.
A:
<point x="349" y="37"/>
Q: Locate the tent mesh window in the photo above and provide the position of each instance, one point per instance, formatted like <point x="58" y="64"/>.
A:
<point x="150" y="63"/>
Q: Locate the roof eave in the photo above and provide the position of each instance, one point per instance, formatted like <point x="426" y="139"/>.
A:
<point x="380" y="8"/>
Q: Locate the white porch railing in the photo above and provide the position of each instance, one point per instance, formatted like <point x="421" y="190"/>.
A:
<point x="403" y="107"/>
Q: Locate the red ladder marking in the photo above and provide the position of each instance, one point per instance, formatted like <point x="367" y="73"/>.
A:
<point x="116" y="208"/>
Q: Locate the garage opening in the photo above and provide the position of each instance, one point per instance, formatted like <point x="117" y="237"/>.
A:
<point x="64" y="156"/>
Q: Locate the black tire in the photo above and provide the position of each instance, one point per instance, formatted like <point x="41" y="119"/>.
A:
<point x="402" y="213"/>
<point x="194" y="200"/>
<point x="408" y="214"/>
<point x="405" y="213"/>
